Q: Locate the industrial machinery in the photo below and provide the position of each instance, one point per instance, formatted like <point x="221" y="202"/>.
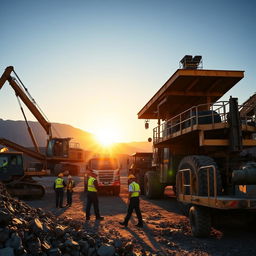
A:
<point x="108" y="173"/>
<point x="204" y="147"/>
<point x="141" y="163"/>
<point x="17" y="181"/>
<point x="58" y="150"/>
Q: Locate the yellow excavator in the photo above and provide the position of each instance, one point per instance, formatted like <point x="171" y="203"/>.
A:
<point x="58" y="150"/>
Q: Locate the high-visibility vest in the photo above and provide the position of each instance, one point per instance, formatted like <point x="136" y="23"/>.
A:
<point x="90" y="186"/>
<point x="59" y="183"/>
<point x="70" y="185"/>
<point x="4" y="164"/>
<point x="135" y="189"/>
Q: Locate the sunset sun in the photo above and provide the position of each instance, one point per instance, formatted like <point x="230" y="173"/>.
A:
<point x="106" y="137"/>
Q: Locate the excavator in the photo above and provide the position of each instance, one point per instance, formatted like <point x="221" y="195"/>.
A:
<point x="58" y="150"/>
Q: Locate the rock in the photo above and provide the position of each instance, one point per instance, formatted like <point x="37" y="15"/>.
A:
<point x="84" y="246"/>
<point x="5" y="217"/>
<point x="14" y="242"/>
<point x="35" y="247"/>
<point x="91" y="242"/>
<point x="4" y="234"/>
<point x="92" y="252"/>
<point x="54" y="252"/>
<point x="118" y="243"/>
<point x="75" y="253"/>
<point x="72" y="244"/>
<point x="8" y="251"/>
<point x="36" y="225"/>
<point x="16" y="221"/>
<point x="46" y="228"/>
<point x="60" y="230"/>
<point x="46" y="246"/>
<point x="106" y="250"/>
<point x="128" y="247"/>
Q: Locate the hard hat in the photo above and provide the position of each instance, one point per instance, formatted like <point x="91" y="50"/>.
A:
<point x="60" y="174"/>
<point x="131" y="176"/>
<point x="69" y="177"/>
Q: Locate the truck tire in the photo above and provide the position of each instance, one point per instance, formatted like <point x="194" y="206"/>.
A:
<point x="200" y="221"/>
<point x="152" y="187"/>
<point x="116" y="190"/>
<point x="194" y="163"/>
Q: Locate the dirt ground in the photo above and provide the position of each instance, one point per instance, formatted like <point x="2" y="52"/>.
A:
<point x="166" y="230"/>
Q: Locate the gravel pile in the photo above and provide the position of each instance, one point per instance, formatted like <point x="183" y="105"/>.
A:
<point x="28" y="231"/>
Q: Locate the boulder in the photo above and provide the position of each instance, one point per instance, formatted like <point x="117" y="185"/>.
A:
<point x="106" y="250"/>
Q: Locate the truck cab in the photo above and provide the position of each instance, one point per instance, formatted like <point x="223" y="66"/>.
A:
<point x="108" y="173"/>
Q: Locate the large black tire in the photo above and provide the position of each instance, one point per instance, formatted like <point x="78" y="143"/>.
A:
<point x="152" y="187"/>
<point x="116" y="190"/>
<point x="200" y="221"/>
<point x="194" y="163"/>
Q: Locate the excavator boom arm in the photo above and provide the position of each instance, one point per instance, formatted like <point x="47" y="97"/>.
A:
<point x="23" y="96"/>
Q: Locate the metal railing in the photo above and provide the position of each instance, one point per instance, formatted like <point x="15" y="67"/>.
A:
<point x="182" y="185"/>
<point x="215" y="113"/>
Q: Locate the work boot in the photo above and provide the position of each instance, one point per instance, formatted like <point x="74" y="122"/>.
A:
<point x="139" y="225"/>
<point x="100" y="218"/>
<point x="123" y="224"/>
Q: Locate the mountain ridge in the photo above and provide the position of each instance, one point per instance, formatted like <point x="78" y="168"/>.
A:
<point x="16" y="131"/>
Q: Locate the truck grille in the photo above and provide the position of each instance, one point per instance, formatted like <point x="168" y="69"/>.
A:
<point x="106" y="176"/>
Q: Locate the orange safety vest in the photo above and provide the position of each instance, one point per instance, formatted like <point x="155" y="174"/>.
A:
<point x="70" y="185"/>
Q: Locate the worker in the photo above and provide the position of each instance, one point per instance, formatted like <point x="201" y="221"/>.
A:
<point x="59" y="185"/>
<point x="70" y="187"/>
<point x="4" y="164"/>
<point x="92" y="197"/>
<point x="134" y="202"/>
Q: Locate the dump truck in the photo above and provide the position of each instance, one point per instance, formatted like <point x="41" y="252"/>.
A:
<point x="203" y="147"/>
<point x="108" y="173"/>
<point x="141" y="163"/>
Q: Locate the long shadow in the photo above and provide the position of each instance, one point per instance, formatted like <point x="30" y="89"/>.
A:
<point x="156" y="246"/>
<point x="108" y="205"/>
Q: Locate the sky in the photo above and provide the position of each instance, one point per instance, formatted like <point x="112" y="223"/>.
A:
<point x="95" y="64"/>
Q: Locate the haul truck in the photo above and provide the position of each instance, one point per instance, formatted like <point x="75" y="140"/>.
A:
<point x="108" y="173"/>
<point x="204" y="147"/>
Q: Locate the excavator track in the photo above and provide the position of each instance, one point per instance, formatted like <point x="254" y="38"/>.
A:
<point x="23" y="188"/>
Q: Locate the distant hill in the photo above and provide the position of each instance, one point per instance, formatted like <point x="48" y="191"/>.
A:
<point x="16" y="131"/>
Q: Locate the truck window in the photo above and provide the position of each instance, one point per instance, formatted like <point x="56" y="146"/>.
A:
<point x="104" y="164"/>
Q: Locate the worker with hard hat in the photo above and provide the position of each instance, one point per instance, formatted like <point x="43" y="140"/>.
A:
<point x="92" y="197"/>
<point x="59" y="185"/>
<point x="134" y="202"/>
<point x="70" y="187"/>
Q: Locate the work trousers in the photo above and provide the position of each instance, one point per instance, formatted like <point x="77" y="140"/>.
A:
<point x="134" y="205"/>
<point x="92" y="198"/>
<point x="69" y="197"/>
<point x="59" y="197"/>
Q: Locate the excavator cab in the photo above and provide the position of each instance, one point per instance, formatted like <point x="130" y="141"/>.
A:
<point x="62" y="150"/>
<point x="11" y="164"/>
<point x="58" y="147"/>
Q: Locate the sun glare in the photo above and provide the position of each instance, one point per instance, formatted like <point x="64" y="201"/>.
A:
<point x="105" y="137"/>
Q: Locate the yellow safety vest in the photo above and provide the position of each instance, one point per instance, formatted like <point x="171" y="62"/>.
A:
<point x="59" y="183"/>
<point x="91" y="186"/>
<point x="135" y="189"/>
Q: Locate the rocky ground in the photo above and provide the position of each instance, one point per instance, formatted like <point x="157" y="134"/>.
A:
<point x="50" y="231"/>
